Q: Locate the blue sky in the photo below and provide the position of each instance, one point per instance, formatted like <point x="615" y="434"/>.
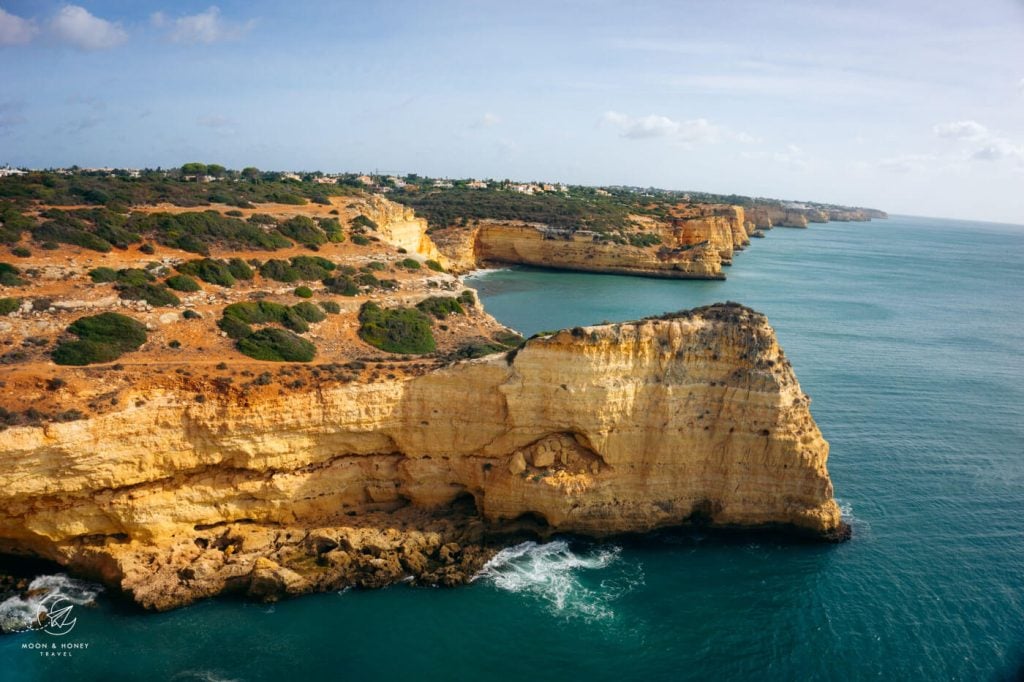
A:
<point x="913" y="107"/>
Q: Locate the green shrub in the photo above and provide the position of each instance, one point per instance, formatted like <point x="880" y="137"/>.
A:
<point x="101" y="338"/>
<point x="84" y="353"/>
<point x="434" y="265"/>
<point x="209" y="270"/>
<point x="330" y="307"/>
<point x="257" y="312"/>
<point x="376" y="265"/>
<point x="644" y="239"/>
<point x="191" y="315"/>
<point x="440" y="306"/>
<point x="303" y="292"/>
<point x="303" y="230"/>
<point x="182" y="283"/>
<point x="156" y="295"/>
<point x="467" y="298"/>
<point x="9" y="305"/>
<point x="234" y="328"/>
<point x="134" y="276"/>
<point x="103" y="274"/>
<point x="298" y="268"/>
<point x="239" y="269"/>
<point x="396" y="330"/>
<point x="194" y="231"/>
<point x="332" y="228"/>
<point x="508" y="338"/>
<point x="234" y="213"/>
<point x="361" y="222"/>
<point x="21" y="252"/>
<point x="147" y="248"/>
<point x="9" y="275"/>
<point x="309" y="312"/>
<point x="360" y="240"/>
<point x="342" y="285"/>
<point x="409" y="263"/>
<point x="276" y="345"/>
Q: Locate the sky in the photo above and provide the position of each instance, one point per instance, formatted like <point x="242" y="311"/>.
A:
<point x="912" y="107"/>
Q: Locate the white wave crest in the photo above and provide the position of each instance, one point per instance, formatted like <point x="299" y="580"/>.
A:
<point x="551" y="572"/>
<point x="21" y="612"/>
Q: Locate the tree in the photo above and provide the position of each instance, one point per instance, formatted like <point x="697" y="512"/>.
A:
<point x="216" y="170"/>
<point x="252" y="174"/>
<point x="195" y="168"/>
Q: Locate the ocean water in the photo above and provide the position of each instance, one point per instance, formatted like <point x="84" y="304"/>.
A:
<point x="907" y="334"/>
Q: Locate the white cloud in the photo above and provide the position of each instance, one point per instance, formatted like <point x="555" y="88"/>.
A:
<point x="75" y="26"/>
<point x="961" y="130"/>
<point x="979" y="143"/>
<point x="204" y="28"/>
<point x="14" y="30"/>
<point x="214" y="121"/>
<point x="693" y="131"/>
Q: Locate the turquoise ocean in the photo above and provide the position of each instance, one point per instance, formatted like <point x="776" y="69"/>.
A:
<point x="907" y="333"/>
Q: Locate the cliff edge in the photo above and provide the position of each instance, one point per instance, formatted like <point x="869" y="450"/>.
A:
<point x="694" y="416"/>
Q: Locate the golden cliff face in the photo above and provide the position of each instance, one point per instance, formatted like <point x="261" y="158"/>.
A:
<point x="398" y="225"/>
<point x="527" y="244"/>
<point x="597" y="430"/>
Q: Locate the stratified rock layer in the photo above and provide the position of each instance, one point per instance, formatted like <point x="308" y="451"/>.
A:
<point x="598" y="430"/>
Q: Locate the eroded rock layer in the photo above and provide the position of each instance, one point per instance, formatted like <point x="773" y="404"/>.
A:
<point x="596" y="430"/>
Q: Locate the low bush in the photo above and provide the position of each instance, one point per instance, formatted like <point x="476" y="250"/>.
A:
<point x="262" y="312"/>
<point x="9" y="305"/>
<point x="396" y="330"/>
<point x="342" y="285"/>
<point x="434" y="265"/>
<point x="303" y="292"/>
<point x="234" y="328"/>
<point x="103" y="274"/>
<point x="309" y="312"/>
<point x="156" y="295"/>
<point x="330" y="307"/>
<point x="409" y="263"/>
<point x="276" y="345"/>
<point x="297" y="269"/>
<point x="21" y="252"/>
<point x="440" y="306"/>
<point x="191" y="315"/>
<point x="303" y="230"/>
<point x="361" y="222"/>
<point x="239" y="269"/>
<point x="101" y="338"/>
<point x="182" y="283"/>
<point x="360" y="240"/>
<point x="467" y="298"/>
<point x="209" y="270"/>
<point x="9" y="275"/>
<point x="332" y="228"/>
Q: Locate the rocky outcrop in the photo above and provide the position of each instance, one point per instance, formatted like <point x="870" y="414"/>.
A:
<point x="539" y="245"/>
<point x="596" y="430"/>
<point x="398" y="225"/>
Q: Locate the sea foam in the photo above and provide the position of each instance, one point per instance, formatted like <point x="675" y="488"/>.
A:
<point x="553" y="573"/>
<point x="20" y="613"/>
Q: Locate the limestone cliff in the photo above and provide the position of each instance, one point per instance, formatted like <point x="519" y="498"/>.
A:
<point x="598" y="430"/>
<point x="399" y="225"/>
<point x="492" y="242"/>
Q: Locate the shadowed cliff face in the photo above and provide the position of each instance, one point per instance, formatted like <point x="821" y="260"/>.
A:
<point x="596" y="430"/>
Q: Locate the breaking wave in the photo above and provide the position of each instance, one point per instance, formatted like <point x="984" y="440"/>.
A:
<point x="554" y="574"/>
<point x="21" y="612"/>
